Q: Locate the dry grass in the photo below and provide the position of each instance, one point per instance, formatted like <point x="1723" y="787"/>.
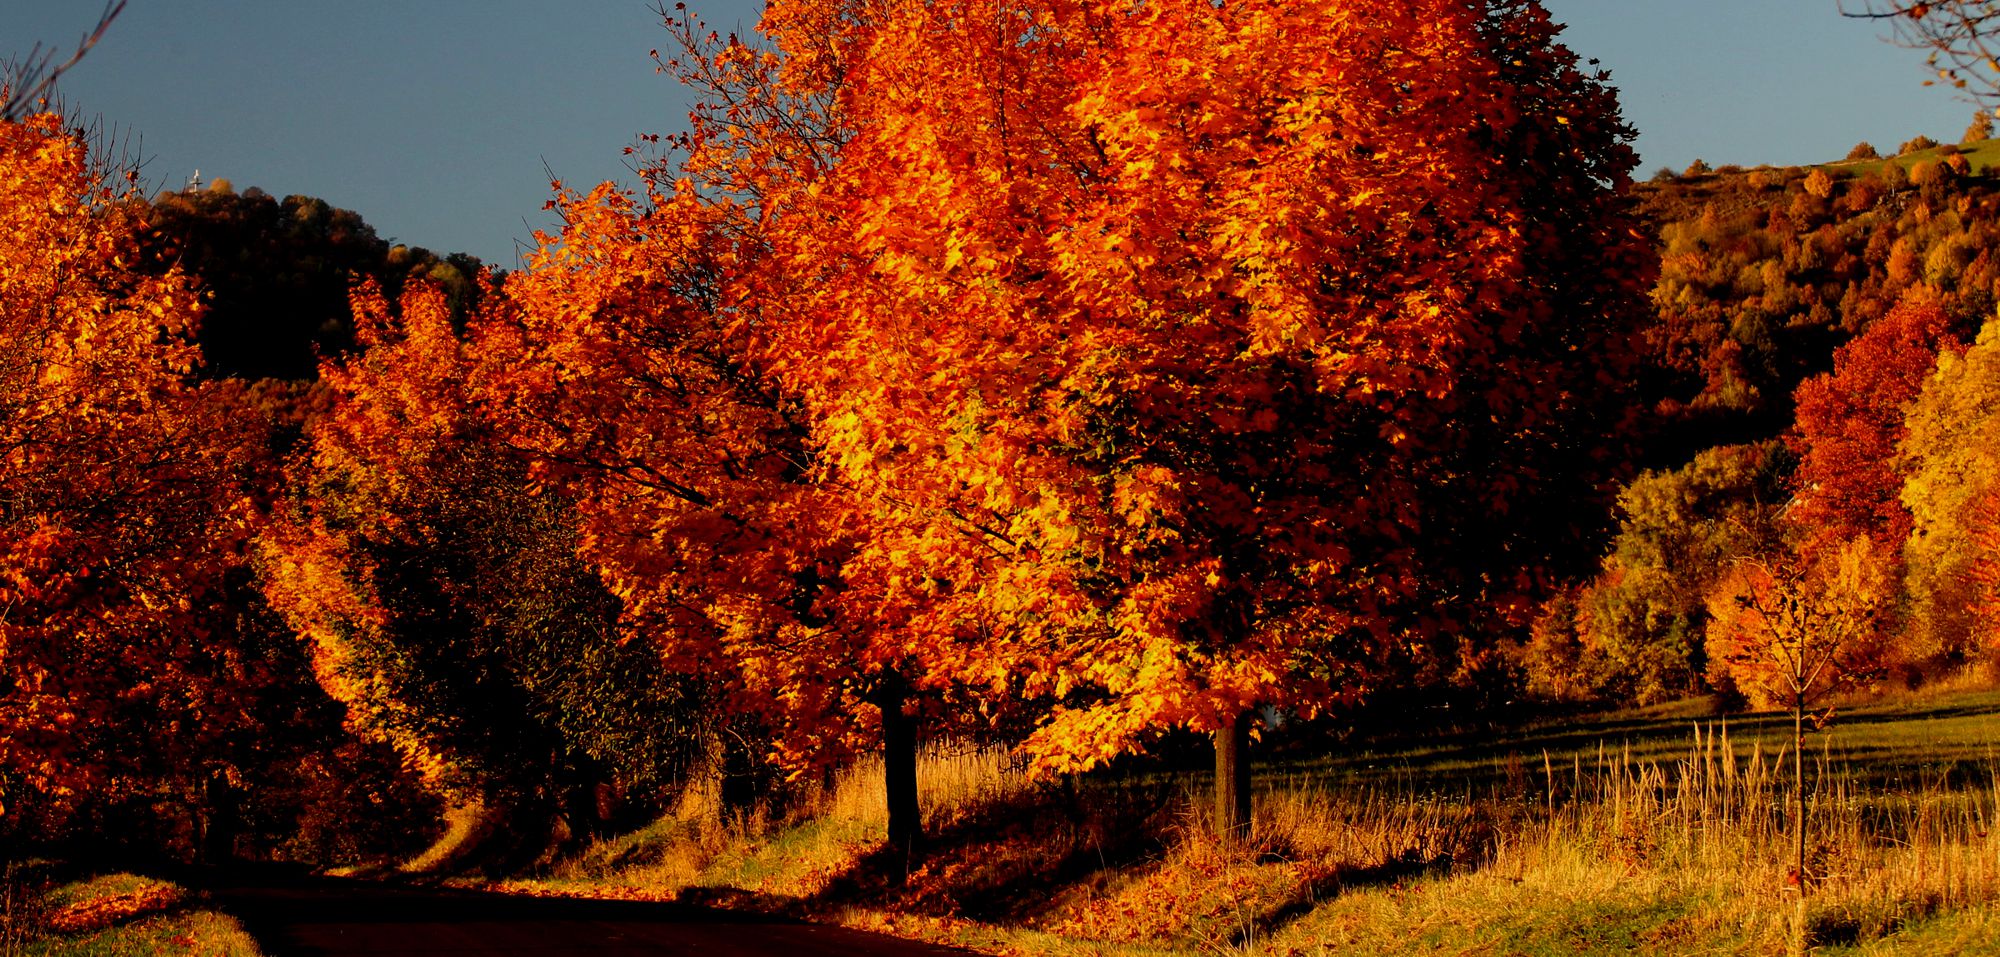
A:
<point x="1689" y="856"/>
<point x="1660" y="848"/>
<point x="824" y="833"/>
<point x="951" y="780"/>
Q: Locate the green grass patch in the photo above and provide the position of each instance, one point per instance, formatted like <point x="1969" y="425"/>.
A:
<point x="98" y="889"/>
<point x="112" y="914"/>
<point x="793" y="860"/>
<point x="1983" y="156"/>
<point x="204" y="933"/>
<point x="1973" y="932"/>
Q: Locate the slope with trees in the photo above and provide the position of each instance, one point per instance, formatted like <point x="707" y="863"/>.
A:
<point x="276" y="273"/>
<point x="1810" y="306"/>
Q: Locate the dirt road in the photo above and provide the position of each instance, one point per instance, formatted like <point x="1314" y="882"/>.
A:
<point x="334" y="918"/>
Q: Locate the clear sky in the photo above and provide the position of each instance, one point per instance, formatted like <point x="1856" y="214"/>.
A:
<point x="432" y="118"/>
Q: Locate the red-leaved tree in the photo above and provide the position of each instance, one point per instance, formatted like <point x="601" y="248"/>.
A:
<point x="1850" y="424"/>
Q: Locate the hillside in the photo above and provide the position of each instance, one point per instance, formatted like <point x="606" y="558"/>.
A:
<point x="1767" y="278"/>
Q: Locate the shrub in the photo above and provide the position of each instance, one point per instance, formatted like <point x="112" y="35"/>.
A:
<point x="1929" y="175"/>
<point x="1981" y="128"/>
<point x="1862" y="195"/>
<point x="1917" y="145"/>
<point x="1863" y="150"/>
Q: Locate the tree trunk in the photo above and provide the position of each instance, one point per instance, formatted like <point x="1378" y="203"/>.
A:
<point x="218" y="822"/>
<point x="899" y="766"/>
<point x="1232" y="779"/>
<point x="1799" y="789"/>
<point x="1799" y="820"/>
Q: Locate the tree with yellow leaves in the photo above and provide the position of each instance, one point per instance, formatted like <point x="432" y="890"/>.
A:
<point x="1951" y="455"/>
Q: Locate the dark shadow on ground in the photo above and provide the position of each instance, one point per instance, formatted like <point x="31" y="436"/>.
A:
<point x="1480" y="761"/>
<point x="1013" y="862"/>
<point x="1408" y="867"/>
<point x="292" y="913"/>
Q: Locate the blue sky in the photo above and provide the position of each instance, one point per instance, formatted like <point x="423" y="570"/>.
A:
<point x="432" y="118"/>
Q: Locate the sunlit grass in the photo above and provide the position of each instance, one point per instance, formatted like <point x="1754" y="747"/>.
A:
<point x="115" y="915"/>
<point x="1983" y="156"/>
<point x="204" y="933"/>
<point x="1664" y="832"/>
<point x="825" y="832"/>
<point x="1687" y="857"/>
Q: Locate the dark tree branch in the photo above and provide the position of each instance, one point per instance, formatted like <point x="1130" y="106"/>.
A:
<point x="23" y="85"/>
<point x="1958" y="35"/>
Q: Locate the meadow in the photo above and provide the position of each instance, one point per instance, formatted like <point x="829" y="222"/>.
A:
<point x="1664" y="830"/>
<point x="1983" y="156"/>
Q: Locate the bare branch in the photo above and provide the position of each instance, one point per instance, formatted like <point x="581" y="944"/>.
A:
<point x="1957" y="34"/>
<point x="24" y="84"/>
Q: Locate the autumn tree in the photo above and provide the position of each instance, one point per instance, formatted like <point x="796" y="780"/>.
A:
<point x="1983" y="570"/>
<point x="1637" y="631"/>
<point x="444" y="602"/>
<point x="1980" y="129"/>
<point x="1850" y="422"/>
<point x="631" y="362"/>
<point x="621" y="366"/>
<point x="1951" y="457"/>
<point x="1208" y="358"/>
<point x="135" y="672"/>
<point x="1792" y="633"/>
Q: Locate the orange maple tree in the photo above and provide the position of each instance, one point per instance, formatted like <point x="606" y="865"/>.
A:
<point x="617" y="365"/>
<point x="125" y="501"/>
<point x="1192" y="358"/>
<point x="1983" y="515"/>
<point x="1152" y="364"/>
<point x="443" y="598"/>
<point x="1794" y="631"/>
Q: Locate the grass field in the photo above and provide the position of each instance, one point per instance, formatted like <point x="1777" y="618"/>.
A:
<point x="1893" y="742"/>
<point x="46" y="914"/>
<point x="1664" y="832"/>
<point x="1983" y="156"/>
